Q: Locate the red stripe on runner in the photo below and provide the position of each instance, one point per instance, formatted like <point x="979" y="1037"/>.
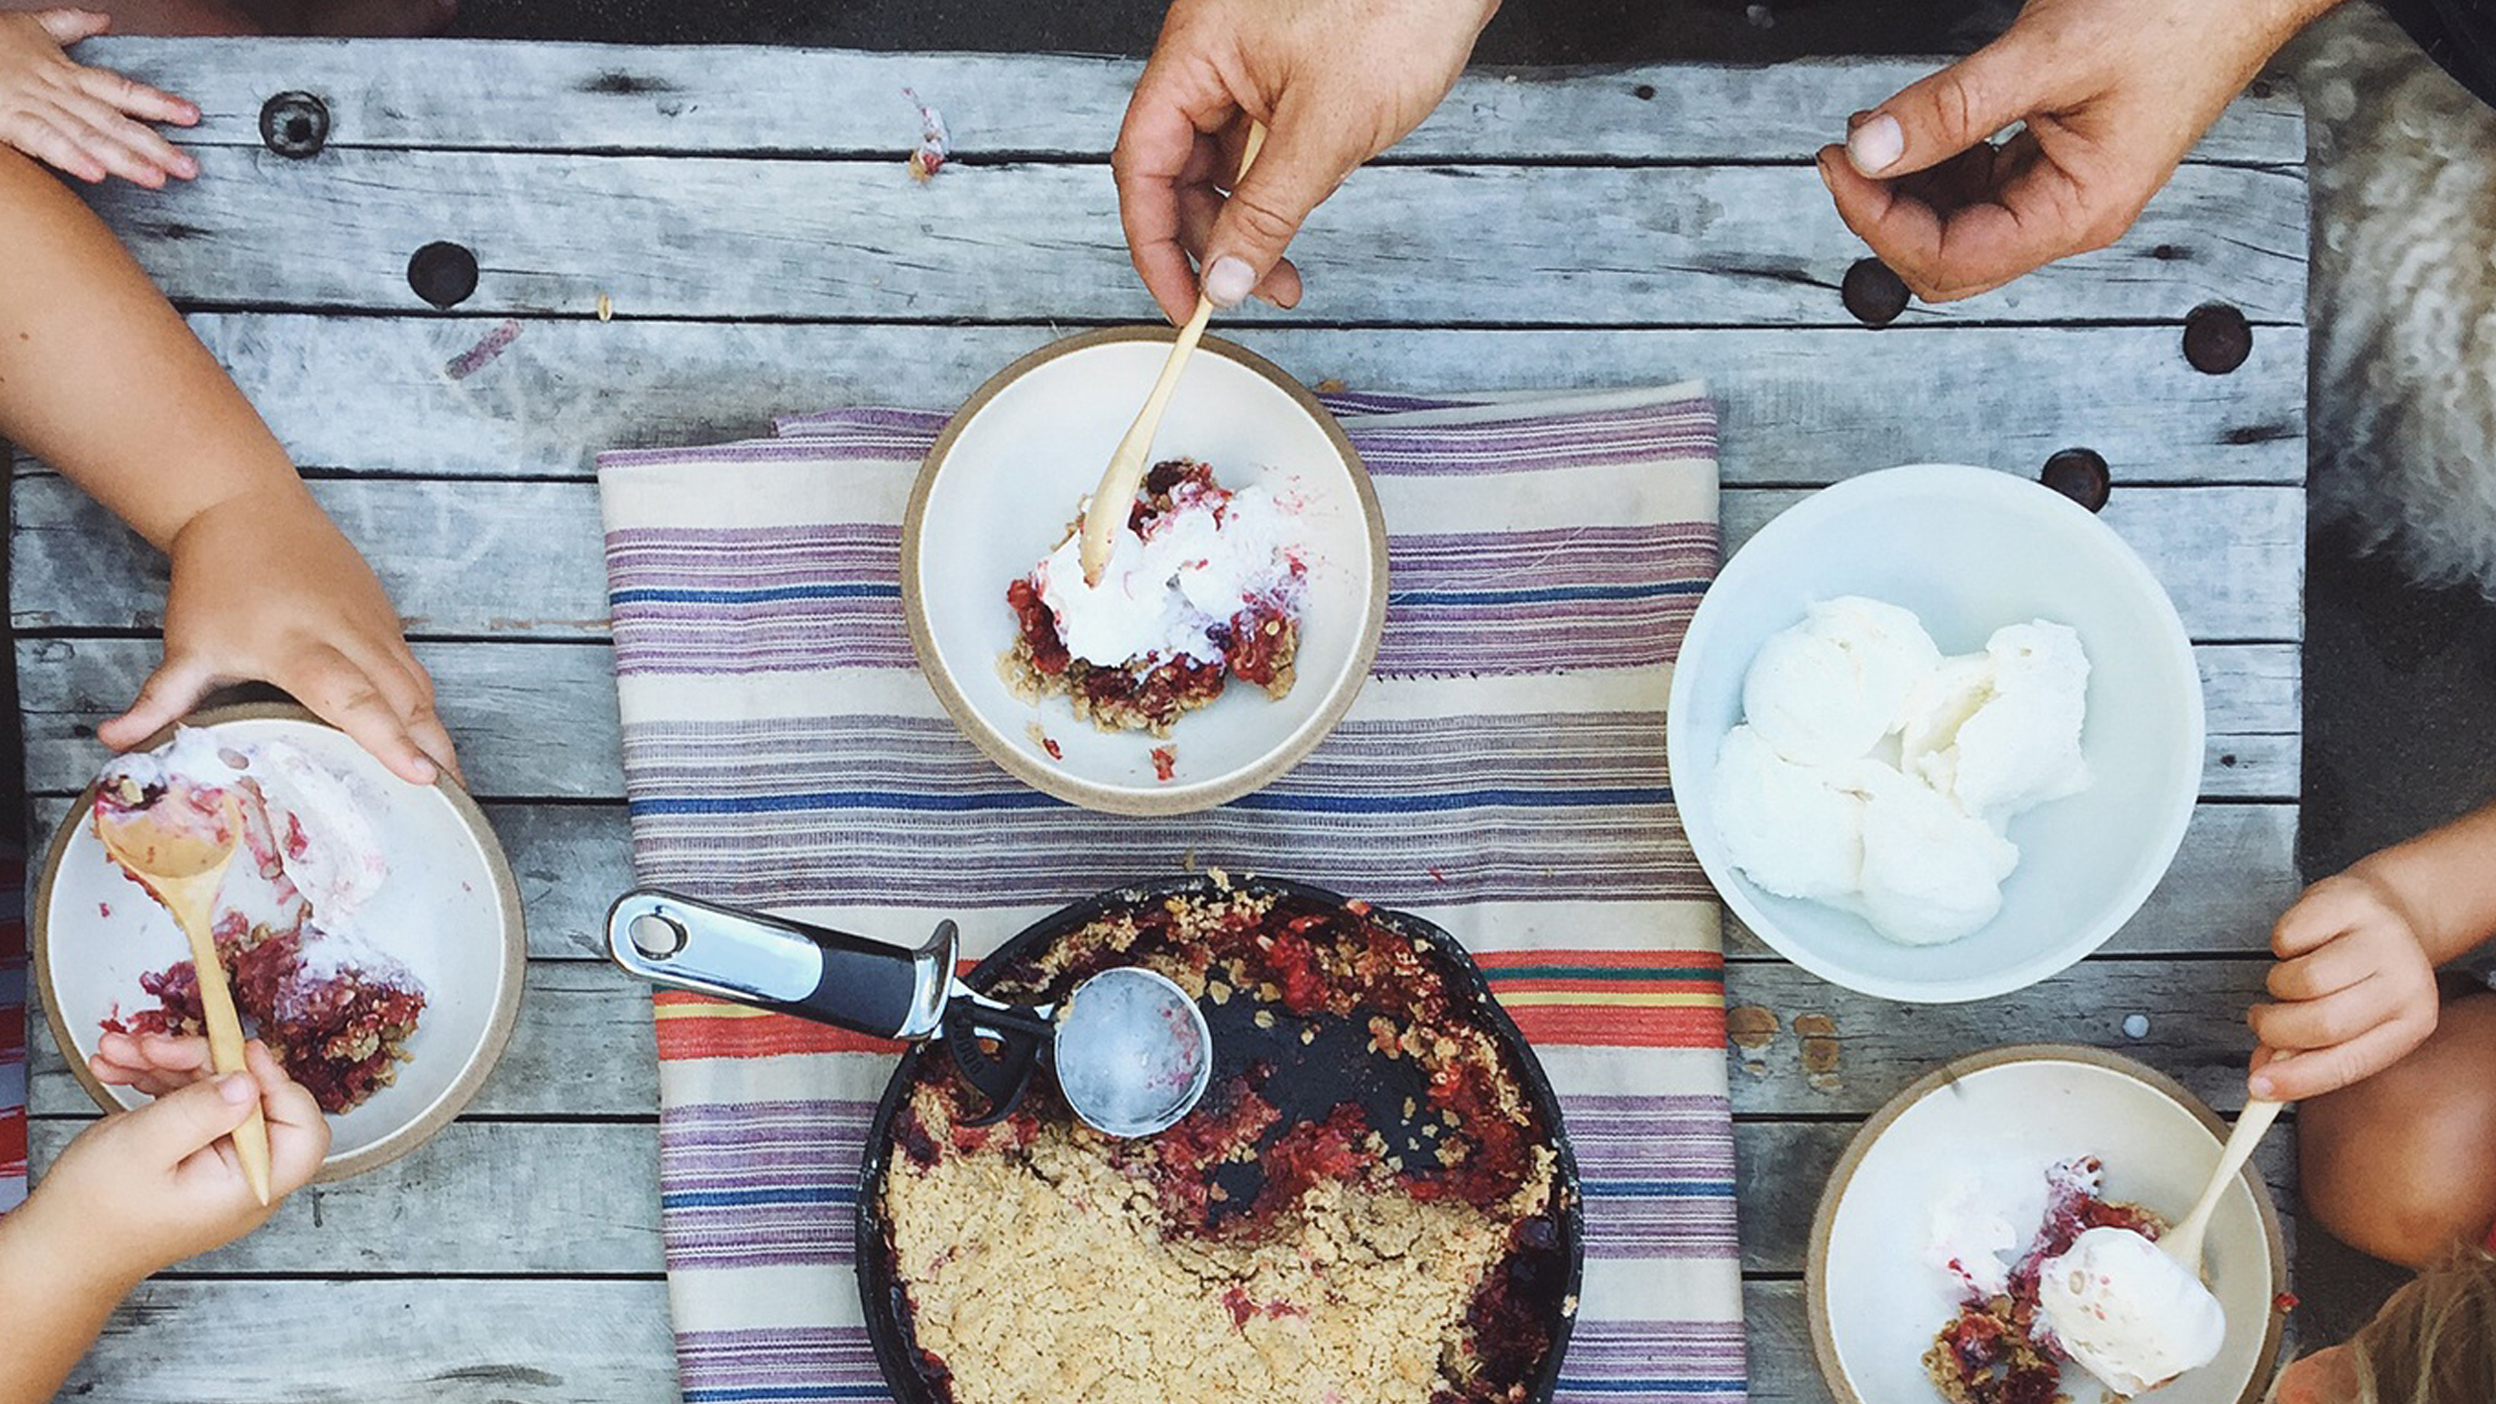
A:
<point x="1603" y="960"/>
<point x="723" y="1030"/>
<point x="1614" y="1026"/>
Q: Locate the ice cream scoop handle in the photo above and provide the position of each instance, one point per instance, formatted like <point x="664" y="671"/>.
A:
<point x="790" y="967"/>
<point x="2184" y="1240"/>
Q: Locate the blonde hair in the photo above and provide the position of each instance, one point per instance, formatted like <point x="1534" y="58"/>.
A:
<point x="2434" y="1342"/>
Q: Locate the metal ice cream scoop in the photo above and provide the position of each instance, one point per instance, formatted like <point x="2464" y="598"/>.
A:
<point x="1129" y="1048"/>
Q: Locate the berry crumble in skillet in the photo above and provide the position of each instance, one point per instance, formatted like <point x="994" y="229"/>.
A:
<point x="1390" y="1233"/>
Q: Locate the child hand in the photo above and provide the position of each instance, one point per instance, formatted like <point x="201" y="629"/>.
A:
<point x="2356" y="990"/>
<point x="145" y="1188"/>
<point x="88" y="122"/>
<point x="265" y="586"/>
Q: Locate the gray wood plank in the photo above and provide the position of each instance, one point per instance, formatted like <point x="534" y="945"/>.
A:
<point x="538" y="720"/>
<point x="600" y="1180"/>
<point x="252" y="1341"/>
<point x="576" y="97"/>
<point x="583" y="1046"/>
<point x="571" y="860"/>
<point x="2196" y="1033"/>
<point x="1797" y="406"/>
<point x="2234" y="874"/>
<point x="2232" y="558"/>
<point x="1783" y="1166"/>
<point x="523" y="560"/>
<point x="719" y="237"/>
<point x="506" y="1199"/>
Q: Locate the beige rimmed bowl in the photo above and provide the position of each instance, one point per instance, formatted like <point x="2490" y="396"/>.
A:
<point x="449" y="911"/>
<point x="1875" y="1302"/>
<point x="1009" y="473"/>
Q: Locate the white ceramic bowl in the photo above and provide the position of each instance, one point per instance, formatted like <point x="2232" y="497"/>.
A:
<point x="1006" y="477"/>
<point x="1874" y="1302"/>
<point x="449" y="911"/>
<point x="1969" y="550"/>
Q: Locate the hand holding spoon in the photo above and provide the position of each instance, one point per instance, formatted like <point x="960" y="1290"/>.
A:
<point x="182" y="862"/>
<point x="2183" y="1242"/>
<point x="1115" y="497"/>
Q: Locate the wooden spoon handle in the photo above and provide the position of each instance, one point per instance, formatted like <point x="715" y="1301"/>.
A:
<point x="1115" y="496"/>
<point x="225" y="1041"/>
<point x="2251" y="1123"/>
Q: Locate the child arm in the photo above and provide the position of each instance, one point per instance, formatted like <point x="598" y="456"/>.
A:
<point x="100" y="377"/>
<point x="133" y="1193"/>
<point x="2355" y="983"/>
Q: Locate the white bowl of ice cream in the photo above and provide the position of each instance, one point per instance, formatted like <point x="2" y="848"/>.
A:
<point x="996" y="495"/>
<point x="418" y="897"/>
<point x="1957" y="1168"/>
<point x="2004" y="857"/>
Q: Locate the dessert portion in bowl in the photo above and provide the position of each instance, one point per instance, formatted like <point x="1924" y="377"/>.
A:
<point x="1205" y="584"/>
<point x="1368" y="1205"/>
<point x="337" y="1010"/>
<point x="2088" y="1285"/>
<point x="1874" y="774"/>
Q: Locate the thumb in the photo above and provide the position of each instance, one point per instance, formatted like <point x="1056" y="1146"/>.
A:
<point x="189" y="1119"/>
<point x="67" y="27"/>
<point x="1302" y="163"/>
<point x="1938" y="117"/>
<point x="166" y="697"/>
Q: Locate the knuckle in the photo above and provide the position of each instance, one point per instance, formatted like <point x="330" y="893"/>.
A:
<point x="1261" y="218"/>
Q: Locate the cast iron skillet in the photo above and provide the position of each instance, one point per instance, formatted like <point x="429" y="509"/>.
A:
<point x="1336" y="1067"/>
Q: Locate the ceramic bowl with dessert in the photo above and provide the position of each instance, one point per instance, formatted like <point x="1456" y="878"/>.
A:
<point x="1238" y="610"/>
<point x="1936" y="733"/>
<point x="1992" y="1236"/>
<point x="368" y="930"/>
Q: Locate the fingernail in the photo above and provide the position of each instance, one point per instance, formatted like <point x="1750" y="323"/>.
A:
<point x="2260" y="1086"/>
<point x="238" y="1088"/>
<point x="1229" y="280"/>
<point x="1876" y="145"/>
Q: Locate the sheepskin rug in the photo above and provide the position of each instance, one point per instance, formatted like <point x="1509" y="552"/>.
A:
<point x="2402" y="301"/>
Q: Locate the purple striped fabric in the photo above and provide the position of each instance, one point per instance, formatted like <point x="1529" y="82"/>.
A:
<point x="1558" y="793"/>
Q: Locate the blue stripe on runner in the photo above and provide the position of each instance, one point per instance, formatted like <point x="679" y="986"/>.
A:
<point x="653" y="594"/>
<point x="710" y="1199"/>
<point x="1701" y="1386"/>
<point x="722" y="1395"/>
<point x="1264" y="800"/>
<point x="1662" y="1189"/>
<point x="1549" y="594"/>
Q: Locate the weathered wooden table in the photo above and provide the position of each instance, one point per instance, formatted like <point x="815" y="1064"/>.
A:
<point x="746" y="216"/>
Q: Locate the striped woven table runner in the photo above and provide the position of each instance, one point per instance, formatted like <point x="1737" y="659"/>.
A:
<point x="1501" y="774"/>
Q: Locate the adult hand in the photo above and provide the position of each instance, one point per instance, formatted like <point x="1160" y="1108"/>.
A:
<point x="2112" y="92"/>
<point x="1334" y="81"/>
<point x="2356" y="990"/>
<point x="87" y="122"/>
<point x="145" y="1188"/>
<point x="265" y="587"/>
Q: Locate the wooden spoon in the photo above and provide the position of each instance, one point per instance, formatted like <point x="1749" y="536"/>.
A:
<point x="1115" y="497"/>
<point x="183" y="868"/>
<point x="2183" y="1242"/>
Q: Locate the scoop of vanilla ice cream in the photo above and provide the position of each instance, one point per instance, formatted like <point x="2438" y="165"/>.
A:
<point x="325" y="840"/>
<point x="1829" y="689"/>
<point x="1999" y="732"/>
<point x="1162" y="593"/>
<point x="1789" y="828"/>
<point x="1931" y="872"/>
<point x="2126" y="1312"/>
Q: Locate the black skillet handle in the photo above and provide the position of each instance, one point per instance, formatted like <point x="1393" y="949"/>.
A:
<point x="832" y="977"/>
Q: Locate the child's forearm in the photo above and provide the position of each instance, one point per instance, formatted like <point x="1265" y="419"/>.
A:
<point x="2445" y="879"/>
<point x="55" y="1299"/>
<point x="101" y="379"/>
